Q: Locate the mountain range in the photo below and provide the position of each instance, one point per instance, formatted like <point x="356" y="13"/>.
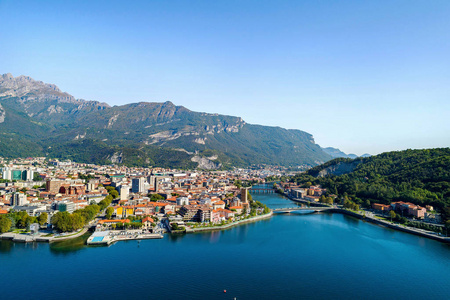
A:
<point x="336" y="153"/>
<point x="39" y="119"/>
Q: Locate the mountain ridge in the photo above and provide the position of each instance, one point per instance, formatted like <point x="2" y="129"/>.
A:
<point x="50" y="118"/>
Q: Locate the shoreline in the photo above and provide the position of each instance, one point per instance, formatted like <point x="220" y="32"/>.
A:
<point x="28" y="238"/>
<point x="399" y="227"/>
<point x="23" y="238"/>
<point x="254" y="219"/>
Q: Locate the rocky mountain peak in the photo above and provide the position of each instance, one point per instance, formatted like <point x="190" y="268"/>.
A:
<point x="29" y="89"/>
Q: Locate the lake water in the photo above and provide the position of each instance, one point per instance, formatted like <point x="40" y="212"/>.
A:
<point x="292" y="256"/>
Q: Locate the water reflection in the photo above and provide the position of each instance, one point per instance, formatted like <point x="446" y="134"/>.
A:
<point x="175" y="238"/>
<point x="6" y="246"/>
<point x="69" y="246"/>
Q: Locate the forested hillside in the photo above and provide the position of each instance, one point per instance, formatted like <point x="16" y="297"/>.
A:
<point x="418" y="176"/>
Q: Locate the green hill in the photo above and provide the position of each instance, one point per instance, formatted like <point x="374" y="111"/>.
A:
<point x="418" y="176"/>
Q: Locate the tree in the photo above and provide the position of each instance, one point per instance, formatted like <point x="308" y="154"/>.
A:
<point x="77" y="221"/>
<point x="392" y="215"/>
<point x="249" y="197"/>
<point x="37" y="177"/>
<point x="238" y="183"/>
<point x="156" y="197"/>
<point x="109" y="212"/>
<point x="62" y="221"/>
<point x="5" y="224"/>
<point x="329" y="200"/>
<point x="42" y="219"/>
<point x="367" y="203"/>
<point x="23" y="219"/>
<point x="447" y="226"/>
<point x="114" y="194"/>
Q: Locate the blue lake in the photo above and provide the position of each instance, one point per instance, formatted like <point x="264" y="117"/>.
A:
<point x="292" y="256"/>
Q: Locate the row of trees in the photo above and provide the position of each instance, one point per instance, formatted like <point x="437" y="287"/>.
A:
<point x="350" y="204"/>
<point x="105" y="203"/>
<point x="65" y="221"/>
<point x="326" y="200"/>
<point x="20" y="220"/>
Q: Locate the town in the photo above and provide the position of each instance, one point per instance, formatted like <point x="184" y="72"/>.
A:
<point x="53" y="200"/>
<point x="50" y="200"/>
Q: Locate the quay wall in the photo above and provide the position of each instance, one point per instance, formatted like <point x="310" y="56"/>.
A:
<point x="254" y="219"/>
<point x="377" y="221"/>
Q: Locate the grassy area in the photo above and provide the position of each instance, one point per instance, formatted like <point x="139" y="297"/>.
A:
<point x="64" y="236"/>
<point x="20" y="231"/>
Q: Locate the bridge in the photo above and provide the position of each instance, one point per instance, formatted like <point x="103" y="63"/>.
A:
<point x="261" y="190"/>
<point x="311" y="209"/>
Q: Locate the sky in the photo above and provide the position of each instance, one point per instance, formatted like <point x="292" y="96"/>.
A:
<point x="361" y="76"/>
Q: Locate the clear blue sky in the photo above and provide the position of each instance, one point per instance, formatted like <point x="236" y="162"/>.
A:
<point x="362" y="76"/>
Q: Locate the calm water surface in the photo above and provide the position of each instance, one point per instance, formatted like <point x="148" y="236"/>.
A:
<point x="295" y="256"/>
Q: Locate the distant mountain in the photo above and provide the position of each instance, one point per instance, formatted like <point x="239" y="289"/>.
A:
<point x="39" y="119"/>
<point x="336" y="153"/>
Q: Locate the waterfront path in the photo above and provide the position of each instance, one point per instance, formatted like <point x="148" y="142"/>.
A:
<point x="211" y="228"/>
<point x="371" y="218"/>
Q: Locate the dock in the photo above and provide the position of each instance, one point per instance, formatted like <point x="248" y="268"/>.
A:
<point x="109" y="237"/>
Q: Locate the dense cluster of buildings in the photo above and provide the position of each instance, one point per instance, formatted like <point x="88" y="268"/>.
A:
<point x="311" y="194"/>
<point x="38" y="185"/>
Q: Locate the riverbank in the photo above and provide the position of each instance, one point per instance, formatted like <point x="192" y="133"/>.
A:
<point x="254" y="219"/>
<point x="362" y="216"/>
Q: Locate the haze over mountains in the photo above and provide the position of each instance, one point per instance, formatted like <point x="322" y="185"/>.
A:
<point x="39" y="119"/>
<point x="336" y="153"/>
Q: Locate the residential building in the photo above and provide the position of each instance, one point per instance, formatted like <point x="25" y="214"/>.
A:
<point x="137" y="185"/>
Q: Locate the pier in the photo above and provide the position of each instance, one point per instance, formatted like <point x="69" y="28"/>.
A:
<point x="108" y="237"/>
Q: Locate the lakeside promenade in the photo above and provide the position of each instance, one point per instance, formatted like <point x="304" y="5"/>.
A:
<point x="226" y="226"/>
<point x="26" y="238"/>
<point x="361" y="215"/>
<point x="29" y="238"/>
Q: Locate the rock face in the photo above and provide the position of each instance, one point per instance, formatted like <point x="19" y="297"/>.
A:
<point x="116" y="158"/>
<point x="340" y="168"/>
<point x="2" y="114"/>
<point x="205" y="163"/>
<point x="39" y="99"/>
<point x="146" y="131"/>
